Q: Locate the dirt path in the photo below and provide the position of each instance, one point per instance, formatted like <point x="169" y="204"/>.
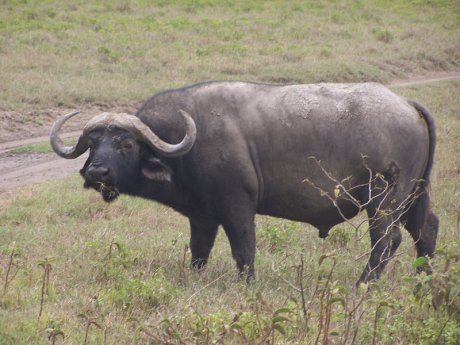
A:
<point x="9" y="145"/>
<point x="433" y="78"/>
<point x="25" y="169"/>
<point x="22" y="170"/>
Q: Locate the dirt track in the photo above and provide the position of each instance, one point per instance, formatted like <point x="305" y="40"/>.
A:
<point x="24" y="169"/>
<point x="20" y="170"/>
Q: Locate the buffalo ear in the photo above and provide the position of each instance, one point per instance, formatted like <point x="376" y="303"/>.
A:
<point x="155" y="169"/>
<point x="83" y="170"/>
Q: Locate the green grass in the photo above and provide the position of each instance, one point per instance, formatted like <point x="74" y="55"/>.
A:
<point x="67" y="53"/>
<point x="119" y="272"/>
<point x="33" y="148"/>
<point x="39" y="147"/>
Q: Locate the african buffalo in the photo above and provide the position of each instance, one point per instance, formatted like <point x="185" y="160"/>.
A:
<point x="220" y="152"/>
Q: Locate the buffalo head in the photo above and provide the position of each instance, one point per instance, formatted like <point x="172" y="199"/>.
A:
<point x="123" y="151"/>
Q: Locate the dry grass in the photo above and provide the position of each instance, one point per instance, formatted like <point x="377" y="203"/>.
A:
<point x="67" y="54"/>
<point x="119" y="272"/>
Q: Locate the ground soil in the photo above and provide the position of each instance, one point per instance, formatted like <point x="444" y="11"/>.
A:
<point x="23" y="128"/>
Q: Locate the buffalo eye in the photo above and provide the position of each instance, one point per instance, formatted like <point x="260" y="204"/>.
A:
<point x="124" y="145"/>
<point x="127" y="145"/>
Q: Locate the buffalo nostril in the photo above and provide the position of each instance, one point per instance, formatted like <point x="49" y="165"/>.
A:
<point x="98" y="172"/>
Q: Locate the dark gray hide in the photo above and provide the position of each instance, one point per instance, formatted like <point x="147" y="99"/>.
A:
<point x="266" y="149"/>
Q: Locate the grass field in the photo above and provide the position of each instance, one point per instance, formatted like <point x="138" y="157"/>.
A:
<point x="75" y="270"/>
<point x="69" y="53"/>
<point x="119" y="273"/>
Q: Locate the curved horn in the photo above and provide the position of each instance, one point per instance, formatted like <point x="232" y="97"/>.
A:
<point x="146" y="135"/>
<point x="68" y="152"/>
<point x="130" y="123"/>
<point x="143" y="133"/>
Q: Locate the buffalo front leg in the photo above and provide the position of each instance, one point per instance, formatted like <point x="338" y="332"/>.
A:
<point x="202" y="235"/>
<point x="240" y="229"/>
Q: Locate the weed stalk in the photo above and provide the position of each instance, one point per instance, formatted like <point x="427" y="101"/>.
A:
<point x="88" y="322"/>
<point x="46" y="265"/>
<point x="53" y="334"/>
<point x="8" y="279"/>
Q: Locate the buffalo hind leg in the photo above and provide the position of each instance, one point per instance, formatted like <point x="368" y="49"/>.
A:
<point x="202" y="235"/>
<point x="424" y="238"/>
<point x="384" y="230"/>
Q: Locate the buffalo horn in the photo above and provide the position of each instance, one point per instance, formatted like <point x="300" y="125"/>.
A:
<point x="68" y="152"/>
<point x="130" y="123"/>
<point x="145" y="134"/>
